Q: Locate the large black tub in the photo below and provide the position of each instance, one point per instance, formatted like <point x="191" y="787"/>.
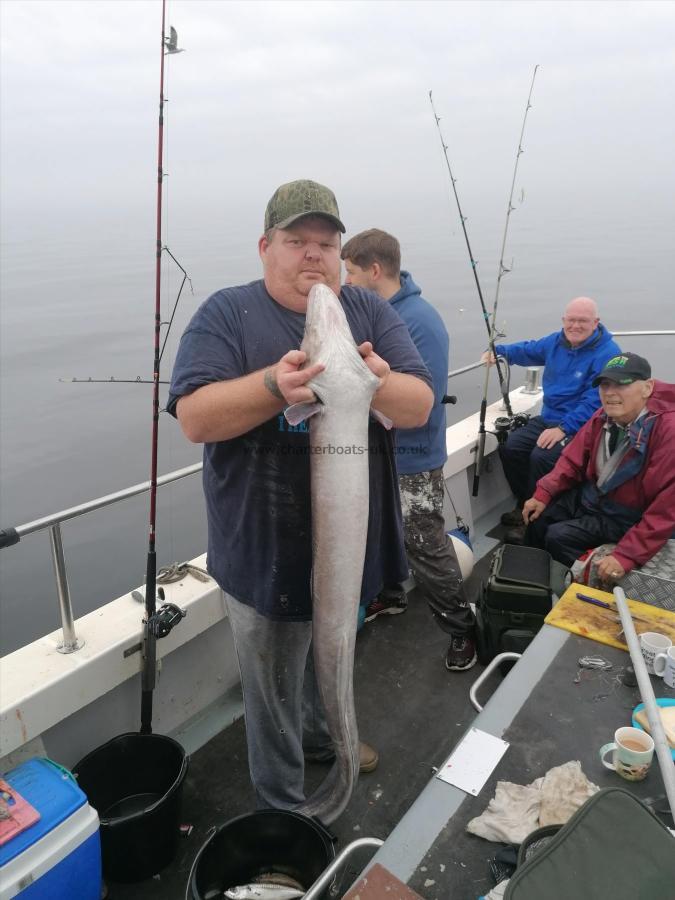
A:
<point x="135" y="783"/>
<point x="269" y="840"/>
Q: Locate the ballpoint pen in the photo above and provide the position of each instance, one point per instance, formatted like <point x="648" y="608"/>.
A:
<point x="593" y="600"/>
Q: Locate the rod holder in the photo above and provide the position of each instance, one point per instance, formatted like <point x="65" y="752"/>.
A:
<point x="70" y="641"/>
<point x="532" y="385"/>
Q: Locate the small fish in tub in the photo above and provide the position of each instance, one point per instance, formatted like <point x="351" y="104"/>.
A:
<point x="271" y="886"/>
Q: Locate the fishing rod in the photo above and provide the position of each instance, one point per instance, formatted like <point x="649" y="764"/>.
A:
<point x="157" y="623"/>
<point x="474" y="262"/>
<point x="513" y="421"/>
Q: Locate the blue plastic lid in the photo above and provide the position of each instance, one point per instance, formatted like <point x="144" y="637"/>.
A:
<point x="52" y="791"/>
<point x="462" y="536"/>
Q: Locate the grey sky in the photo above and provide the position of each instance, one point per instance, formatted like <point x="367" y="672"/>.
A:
<point x="267" y="92"/>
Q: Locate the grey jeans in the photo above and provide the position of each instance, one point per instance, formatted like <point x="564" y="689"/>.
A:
<point x="282" y="708"/>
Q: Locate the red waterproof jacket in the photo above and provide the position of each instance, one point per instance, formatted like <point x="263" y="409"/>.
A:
<point x="641" y="492"/>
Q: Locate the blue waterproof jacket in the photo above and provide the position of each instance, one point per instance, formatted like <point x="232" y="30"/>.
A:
<point x="423" y="449"/>
<point x="569" y="396"/>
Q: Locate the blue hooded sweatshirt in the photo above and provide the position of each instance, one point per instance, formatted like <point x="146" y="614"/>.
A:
<point x="423" y="449"/>
<point x="569" y="396"/>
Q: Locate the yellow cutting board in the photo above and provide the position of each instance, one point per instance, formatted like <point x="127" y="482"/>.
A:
<point x="597" y="623"/>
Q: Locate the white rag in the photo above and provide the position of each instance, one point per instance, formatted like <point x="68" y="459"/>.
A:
<point x="516" y="810"/>
<point x="497" y="892"/>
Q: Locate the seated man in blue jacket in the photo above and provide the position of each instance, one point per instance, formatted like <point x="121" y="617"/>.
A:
<point x="572" y="359"/>
<point x="373" y="261"/>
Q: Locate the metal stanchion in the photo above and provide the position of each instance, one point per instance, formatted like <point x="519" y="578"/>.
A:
<point x="70" y="642"/>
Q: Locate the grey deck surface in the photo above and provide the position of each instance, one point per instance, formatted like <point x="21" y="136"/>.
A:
<point x="414" y="712"/>
<point x="561" y="721"/>
<point x="408" y="706"/>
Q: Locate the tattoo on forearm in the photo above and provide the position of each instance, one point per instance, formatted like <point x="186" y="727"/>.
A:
<point x="271" y="384"/>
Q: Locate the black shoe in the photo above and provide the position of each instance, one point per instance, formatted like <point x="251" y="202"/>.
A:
<point x="461" y="653"/>
<point x="386" y="605"/>
<point x="515" y="535"/>
<point x="512" y="518"/>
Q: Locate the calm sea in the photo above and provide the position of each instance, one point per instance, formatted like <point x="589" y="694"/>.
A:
<point x="79" y="301"/>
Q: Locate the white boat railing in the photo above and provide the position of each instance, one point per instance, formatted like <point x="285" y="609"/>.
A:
<point x="52" y="523"/>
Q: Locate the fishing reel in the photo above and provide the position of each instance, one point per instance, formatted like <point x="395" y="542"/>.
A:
<point x="505" y="424"/>
<point x="165" y="618"/>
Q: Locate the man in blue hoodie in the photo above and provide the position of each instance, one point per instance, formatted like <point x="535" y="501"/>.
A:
<point x="572" y="359"/>
<point x="373" y="261"/>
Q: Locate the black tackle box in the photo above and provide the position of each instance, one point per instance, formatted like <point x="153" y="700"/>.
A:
<point x="513" y="601"/>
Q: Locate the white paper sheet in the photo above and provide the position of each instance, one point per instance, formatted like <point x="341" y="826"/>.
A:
<point x="472" y="761"/>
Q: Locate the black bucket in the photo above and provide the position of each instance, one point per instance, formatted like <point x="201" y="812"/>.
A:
<point x="135" y="783"/>
<point x="270" y="840"/>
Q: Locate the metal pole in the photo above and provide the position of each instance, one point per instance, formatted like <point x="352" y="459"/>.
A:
<point x="487" y="671"/>
<point x="647" y="693"/>
<point x="70" y="641"/>
<point x="324" y="879"/>
<point x="662" y="332"/>
<point x="107" y="500"/>
<point x="469" y="368"/>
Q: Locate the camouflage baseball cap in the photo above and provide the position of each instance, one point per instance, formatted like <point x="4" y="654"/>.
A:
<point x="625" y="369"/>
<point x="301" y="198"/>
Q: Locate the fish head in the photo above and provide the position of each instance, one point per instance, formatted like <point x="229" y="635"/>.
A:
<point x="325" y="321"/>
<point x="328" y="340"/>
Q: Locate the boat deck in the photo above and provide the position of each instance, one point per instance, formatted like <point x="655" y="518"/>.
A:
<point x="408" y="706"/>
<point x="569" y="715"/>
<point x="415" y="711"/>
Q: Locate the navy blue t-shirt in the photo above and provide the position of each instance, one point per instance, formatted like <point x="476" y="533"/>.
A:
<point x="257" y="485"/>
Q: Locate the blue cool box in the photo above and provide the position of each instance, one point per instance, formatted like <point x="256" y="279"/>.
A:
<point x="59" y="857"/>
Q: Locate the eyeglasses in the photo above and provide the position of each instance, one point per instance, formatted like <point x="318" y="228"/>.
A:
<point x="570" y="321"/>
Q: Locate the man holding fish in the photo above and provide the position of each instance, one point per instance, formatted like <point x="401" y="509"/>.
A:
<point x="238" y="368"/>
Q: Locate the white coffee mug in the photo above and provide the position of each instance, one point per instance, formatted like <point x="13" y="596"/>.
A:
<point x="633" y="750"/>
<point x="664" y="666"/>
<point x="651" y="644"/>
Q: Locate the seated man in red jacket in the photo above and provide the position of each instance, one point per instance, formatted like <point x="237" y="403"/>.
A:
<point x="615" y="481"/>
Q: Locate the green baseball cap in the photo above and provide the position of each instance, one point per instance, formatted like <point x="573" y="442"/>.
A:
<point x="625" y="369"/>
<point x="301" y="198"/>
